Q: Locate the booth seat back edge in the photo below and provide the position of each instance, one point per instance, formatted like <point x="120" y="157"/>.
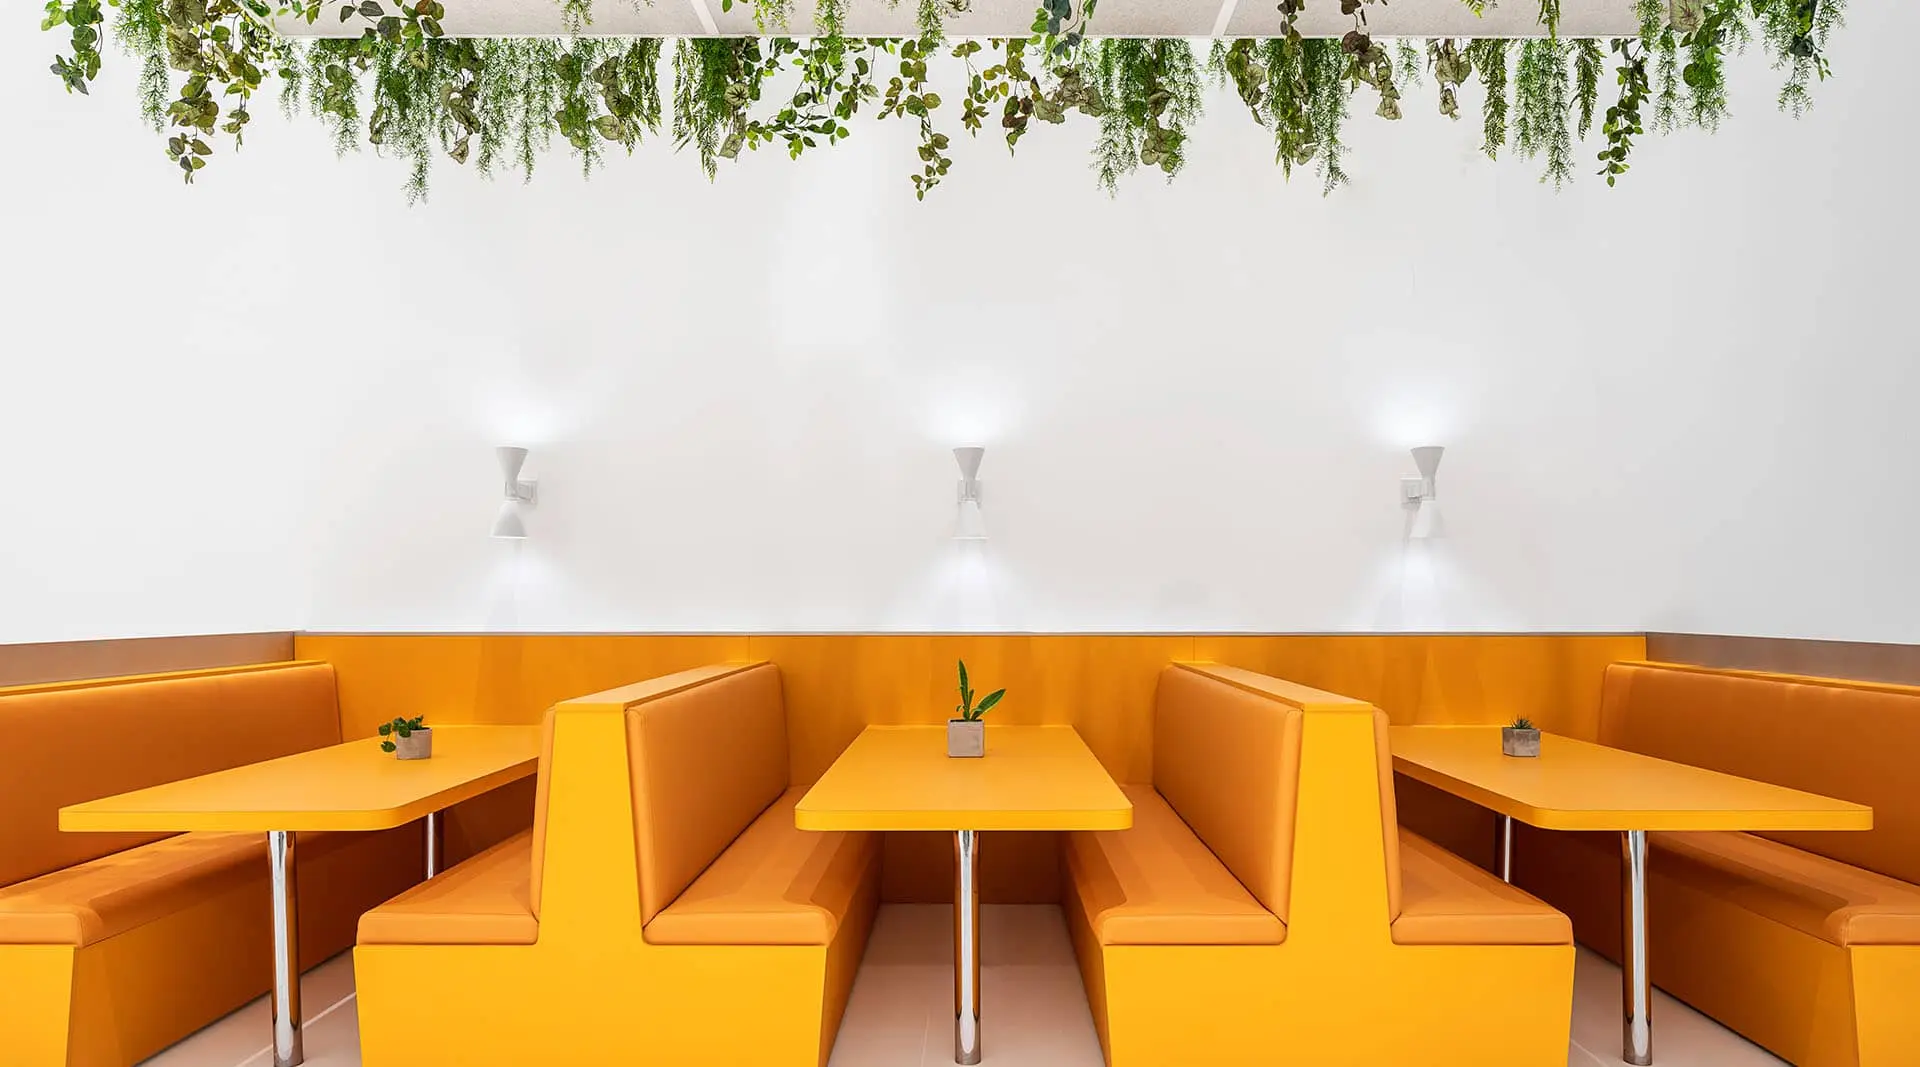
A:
<point x="587" y="833"/>
<point x="1316" y="874"/>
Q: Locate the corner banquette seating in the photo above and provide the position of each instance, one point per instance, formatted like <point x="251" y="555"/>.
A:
<point x="663" y="909"/>
<point x="113" y="946"/>
<point x="1224" y="930"/>
<point x="1806" y="943"/>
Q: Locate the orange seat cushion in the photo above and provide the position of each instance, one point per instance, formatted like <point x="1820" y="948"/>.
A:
<point x="1445" y="900"/>
<point x="775" y="885"/>
<point x="101" y="898"/>
<point x="1825" y="898"/>
<point x="1159" y="884"/>
<point x="485" y="900"/>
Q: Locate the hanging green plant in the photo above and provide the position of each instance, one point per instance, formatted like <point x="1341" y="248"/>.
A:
<point x="1623" y="122"/>
<point x="404" y="88"/>
<point x="1151" y="94"/>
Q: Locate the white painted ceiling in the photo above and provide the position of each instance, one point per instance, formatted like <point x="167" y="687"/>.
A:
<point x="1013" y="18"/>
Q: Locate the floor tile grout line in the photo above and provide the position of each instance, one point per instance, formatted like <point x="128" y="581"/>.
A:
<point x="304" y="1026"/>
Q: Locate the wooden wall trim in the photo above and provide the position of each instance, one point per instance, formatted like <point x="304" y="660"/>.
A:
<point x="1858" y="660"/>
<point x="66" y="661"/>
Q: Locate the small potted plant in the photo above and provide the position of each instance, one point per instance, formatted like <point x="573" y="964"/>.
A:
<point x="1520" y="739"/>
<point x="967" y="734"/>
<point x="407" y="738"/>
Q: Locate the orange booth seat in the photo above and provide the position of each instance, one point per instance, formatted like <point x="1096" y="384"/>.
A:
<point x="663" y="909"/>
<point x="1807" y="943"/>
<point x="113" y="946"/>
<point x="1266" y="908"/>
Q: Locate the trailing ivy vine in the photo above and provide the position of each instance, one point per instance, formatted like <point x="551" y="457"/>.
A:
<point x="404" y="88"/>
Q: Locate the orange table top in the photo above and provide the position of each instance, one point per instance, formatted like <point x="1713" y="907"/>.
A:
<point x="353" y="786"/>
<point x="901" y="778"/>
<point x="1576" y="785"/>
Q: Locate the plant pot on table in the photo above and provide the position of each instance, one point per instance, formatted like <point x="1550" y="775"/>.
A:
<point x="1518" y="742"/>
<point x="966" y="738"/>
<point x="416" y="745"/>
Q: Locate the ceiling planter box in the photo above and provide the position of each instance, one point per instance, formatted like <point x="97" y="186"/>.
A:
<point x="1014" y="18"/>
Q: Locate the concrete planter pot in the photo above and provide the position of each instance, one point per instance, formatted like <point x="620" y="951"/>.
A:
<point x="966" y="739"/>
<point x="416" y="745"/>
<point x="1519" y="742"/>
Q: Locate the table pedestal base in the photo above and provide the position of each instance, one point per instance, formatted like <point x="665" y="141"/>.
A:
<point x="966" y="946"/>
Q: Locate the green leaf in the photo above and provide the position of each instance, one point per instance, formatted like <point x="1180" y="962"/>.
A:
<point x="371" y="10"/>
<point x="987" y="702"/>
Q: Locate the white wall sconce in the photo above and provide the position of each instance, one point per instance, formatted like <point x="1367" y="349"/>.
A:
<point x="510" y="524"/>
<point x="1419" y="494"/>
<point x="971" y="524"/>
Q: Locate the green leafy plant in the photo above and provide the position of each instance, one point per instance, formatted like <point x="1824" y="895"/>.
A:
<point x="400" y="729"/>
<point x="1151" y="93"/>
<point x="1522" y="723"/>
<point x="967" y="710"/>
<point x="403" y="88"/>
<point x="1623" y="121"/>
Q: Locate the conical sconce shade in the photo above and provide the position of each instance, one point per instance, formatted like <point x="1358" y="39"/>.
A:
<point x="508" y="523"/>
<point x="1427" y="458"/>
<point x="969" y="460"/>
<point x="511" y="460"/>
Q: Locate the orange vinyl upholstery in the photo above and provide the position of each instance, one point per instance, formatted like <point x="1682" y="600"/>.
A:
<point x="1820" y="897"/>
<point x="1157" y="884"/>
<point x="706" y="762"/>
<point x="1228" y="763"/>
<point x="1255" y="911"/>
<point x="1806" y="943"/>
<point x="139" y="939"/>
<point x="1448" y="901"/>
<point x="775" y="885"/>
<point x="664" y="883"/>
<point x="1851" y="742"/>
<point x="138" y="733"/>
<point x="486" y="900"/>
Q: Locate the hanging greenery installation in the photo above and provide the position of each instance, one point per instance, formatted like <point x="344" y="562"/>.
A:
<point x="406" y="88"/>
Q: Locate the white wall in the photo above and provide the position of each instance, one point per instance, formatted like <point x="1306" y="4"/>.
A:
<point x="1680" y="404"/>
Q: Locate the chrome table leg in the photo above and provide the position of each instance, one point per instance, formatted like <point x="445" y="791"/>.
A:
<point x="1636" y="982"/>
<point x="285" y="1004"/>
<point x="1506" y="848"/>
<point x="436" y="843"/>
<point x="966" y="946"/>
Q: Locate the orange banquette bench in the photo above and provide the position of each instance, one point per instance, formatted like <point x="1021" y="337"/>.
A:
<point x="663" y="909"/>
<point x="1265" y="907"/>
<point x="1806" y="943"/>
<point x="113" y="946"/>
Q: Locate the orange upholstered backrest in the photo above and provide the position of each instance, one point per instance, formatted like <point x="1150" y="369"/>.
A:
<point x="73" y="742"/>
<point x="706" y="761"/>
<point x="1228" y="761"/>
<point x="1854" y="741"/>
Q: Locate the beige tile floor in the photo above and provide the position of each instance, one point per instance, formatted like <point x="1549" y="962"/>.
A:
<point x="1033" y="1011"/>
